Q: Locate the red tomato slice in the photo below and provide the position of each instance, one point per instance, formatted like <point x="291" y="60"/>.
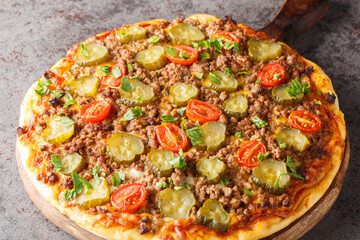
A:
<point x="111" y="80"/>
<point x="182" y="61"/>
<point x="129" y="197"/>
<point x="304" y="121"/>
<point x="269" y="75"/>
<point x="247" y="154"/>
<point x="228" y="36"/>
<point x="95" y="111"/>
<point x="202" y="111"/>
<point x="171" y="137"/>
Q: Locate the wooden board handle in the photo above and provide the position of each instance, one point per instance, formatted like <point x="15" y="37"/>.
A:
<point x="294" y="18"/>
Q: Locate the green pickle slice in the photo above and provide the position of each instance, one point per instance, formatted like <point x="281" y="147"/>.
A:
<point x="293" y="138"/>
<point x="263" y="51"/>
<point x="140" y="91"/>
<point x="73" y="162"/>
<point x="132" y="33"/>
<point x="158" y="160"/>
<point x="235" y="106"/>
<point x="211" y="169"/>
<point x="86" y="86"/>
<point x="175" y="203"/>
<point x="185" y="34"/>
<point x="226" y="83"/>
<point x="181" y="93"/>
<point x="56" y="131"/>
<point x="265" y="175"/>
<point x="152" y="58"/>
<point x="98" y="195"/>
<point x="97" y="54"/>
<point x="124" y="147"/>
<point x="213" y="215"/>
<point x="213" y="135"/>
<point x="280" y="95"/>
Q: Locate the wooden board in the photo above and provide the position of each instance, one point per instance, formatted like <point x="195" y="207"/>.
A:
<point x="293" y="231"/>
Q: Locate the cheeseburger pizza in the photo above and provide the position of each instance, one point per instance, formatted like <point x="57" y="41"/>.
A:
<point x="198" y="128"/>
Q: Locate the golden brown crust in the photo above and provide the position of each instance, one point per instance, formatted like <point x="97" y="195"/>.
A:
<point x="260" y="229"/>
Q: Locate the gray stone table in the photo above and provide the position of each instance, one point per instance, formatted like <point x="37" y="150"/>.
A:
<point x="34" y="34"/>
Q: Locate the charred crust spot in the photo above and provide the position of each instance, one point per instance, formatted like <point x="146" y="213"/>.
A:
<point x="43" y="148"/>
<point x="49" y="74"/>
<point x="145" y="219"/>
<point x="229" y="19"/>
<point x="309" y="69"/>
<point x="104" y="210"/>
<point x="330" y="97"/>
<point x="54" y="102"/>
<point x="143" y="229"/>
<point x="20" y="131"/>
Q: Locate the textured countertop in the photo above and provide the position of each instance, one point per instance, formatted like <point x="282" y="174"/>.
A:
<point x="35" y="34"/>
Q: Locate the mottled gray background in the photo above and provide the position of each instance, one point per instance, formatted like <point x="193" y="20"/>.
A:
<point x="34" y="34"/>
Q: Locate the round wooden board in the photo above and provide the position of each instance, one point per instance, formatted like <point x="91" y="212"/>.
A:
<point x="293" y="231"/>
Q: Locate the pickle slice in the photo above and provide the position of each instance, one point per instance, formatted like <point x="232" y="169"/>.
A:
<point x="98" y="195"/>
<point x="213" y="135"/>
<point x="213" y="215"/>
<point x="280" y="95"/>
<point x="235" y="106"/>
<point x="211" y="169"/>
<point x="226" y="82"/>
<point x="175" y="203"/>
<point x="73" y="162"/>
<point x="293" y="138"/>
<point x="132" y="33"/>
<point x="140" y="91"/>
<point x="152" y="58"/>
<point x="185" y="34"/>
<point x="97" y="54"/>
<point x="266" y="174"/>
<point x="158" y="160"/>
<point x="86" y="86"/>
<point x="181" y="93"/>
<point x="263" y="51"/>
<point x="124" y="147"/>
<point x="57" y="131"/>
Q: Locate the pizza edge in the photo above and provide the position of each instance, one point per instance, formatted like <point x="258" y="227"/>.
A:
<point x="261" y="229"/>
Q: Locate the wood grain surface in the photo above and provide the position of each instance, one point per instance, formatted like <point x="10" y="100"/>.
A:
<point x="293" y="231"/>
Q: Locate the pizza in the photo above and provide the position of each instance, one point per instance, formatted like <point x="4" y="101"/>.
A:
<point x="195" y="128"/>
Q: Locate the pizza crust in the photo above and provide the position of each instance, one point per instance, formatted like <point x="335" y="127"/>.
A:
<point x="260" y="229"/>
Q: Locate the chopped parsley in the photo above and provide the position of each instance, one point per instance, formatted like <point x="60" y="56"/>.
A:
<point x="248" y="192"/>
<point x="291" y="165"/>
<point x="105" y="70"/>
<point x="281" y="143"/>
<point x="218" y="44"/>
<point x="56" y="94"/>
<point x="95" y="173"/>
<point x="178" y="188"/>
<point x="153" y="39"/>
<point x="79" y="184"/>
<point x="135" y="112"/>
<point x="56" y="161"/>
<point x="214" y="78"/>
<point x="168" y="118"/>
<point x="276" y="76"/>
<point x="126" y="86"/>
<point x="317" y="102"/>
<point x="130" y="67"/>
<point x="195" y="133"/>
<point x="74" y="66"/>
<point x="161" y="184"/>
<point x="41" y="88"/>
<point x="69" y="101"/>
<point x="224" y="181"/>
<point x="170" y="181"/>
<point x="187" y="186"/>
<point x="199" y="76"/>
<point x="258" y="81"/>
<point x="84" y="50"/>
<point x="262" y="157"/>
<point x="116" y="72"/>
<point x="117" y="178"/>
<point x="319" y="92"/>
<point x="239" y="134"/>
<point x="258" y="122"/>
<point x="181" y="111"/>
<point x="184" y="55"/>
<point x="205" y="55"/>
<point x="179" y="162"/>
<point x="171" y="51"/>
<point x="65" y="120"/>
<point x="136" y="77"/>
<point x="228" y="71"/>
<point x="139" y="99"/>
<point x="297" y="88"/>
<point x="246" y="73"/>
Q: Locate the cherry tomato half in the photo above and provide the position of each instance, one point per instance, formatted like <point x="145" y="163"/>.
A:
<point x="95" y="111"/>
<point x="271" y="75"/>
<point x="180" y="49"/>
<point x="305" y="121"/>
<point x="202" y="111"/>
<point x="111" y="80"/>
<point x="228" y="36"/>
<point x="248" y="153"/>
<point x="129" y="197"/>
<point x="171" y="137"/>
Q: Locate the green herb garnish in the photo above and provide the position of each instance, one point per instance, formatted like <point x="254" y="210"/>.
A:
<point x="171" y="51"/>
<point x="239" y="134"/>
<point x="56" y="94"/>
<point x="178" y="188"/>
<point x="56" y="161"/>
<point x="205" y="55"/>
<point x="153" y="39"/>
<point x="105" y="70"/>
<point x="262" y="157"/>
<point x="317" y="102"/>
<point x="79" y="184"/>
<point x="130" y="67"/>
<point x="281" y="143"/>
<point x="276" y="76"/>
<point x="297" y="88"/>
<point x="214" y="78"/>
<point x="258" y="81"/>
<point x="181" y="111"/>
<point x="69" y="101"/>
<point x="116" y="72"/>
<point x="179" y="162"/>
<point x="135" y="112"/>
<point x="117" y="178"/>
<point x="95" y="172"/>
<point x="195" y="134"/>
<point x="168" y="119"/>
<point x="248" y="192"/>
<point x="84" y="50"/>
<point x="126" y="86"/>
<point x="65" y="120"/>
<point x="224" y="180"/>
<point x="228" y="71"/>
<point x="246" y="73"/>
<point x="161" y="184"/>
<point x="258" y="122"/>
<point x="199" y="76"/>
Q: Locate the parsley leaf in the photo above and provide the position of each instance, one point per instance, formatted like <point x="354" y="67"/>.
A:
<point x="262" y="157"/>
<point x="135" y="77"/>
<point x="161" y="184"/>
<point x="214" y="78"/>
<point x="139" y="99"/>
<point x="200" y="76"/>
<point x="79" y="183"/>
<point x="224" y="180"/>
<point x="170" y="181"/>
<point x="236" y="47"/>
<point x="184" y="55"/>
<point x="239" y="134"/>
<point x="194" y="133"/>
<point x="228" y="46"/>
<point x="276" y="76"/>
<point x="105" y="70"/>
<point x="171" y="51"/>
<point x="228" y="71"/>
<point x="258" y="81"/>
<point x="41" y="89"/>
<point x="74" y="66"/>
<point x="281" y="143"/>
<point x="135" y="112"/>
<point x="248" y="192"/>
<point x="126" y="86"/>
<point x="153" y="39"/>
<point x="319" y="92"/>
<point x="297" y="88"/>
<point x="95" y="172"/>
<point x="181" y="111"/>
<point x="84" y="50"/>
<point x="291" y="165"/>
<point x="168" y="118"/>
<point x="294" y="175"/>
<point x="205" y="55"/>
<point x="246" y="73"/>
<point x="116" y="72"/>
<point x="56" y="162"/>
<point x="258" y="122"/>
<point x="130" y="67"/>
<point x="187" y="186"/>
<point x="117" y="177"/>
<point x="65" y="120"/>
<point x="317" y="102"/>
<point x="69" y="101"/>
<point x="179" y="162"/>
<point x="178" y="188"/>
<point x="56" y="94"/>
